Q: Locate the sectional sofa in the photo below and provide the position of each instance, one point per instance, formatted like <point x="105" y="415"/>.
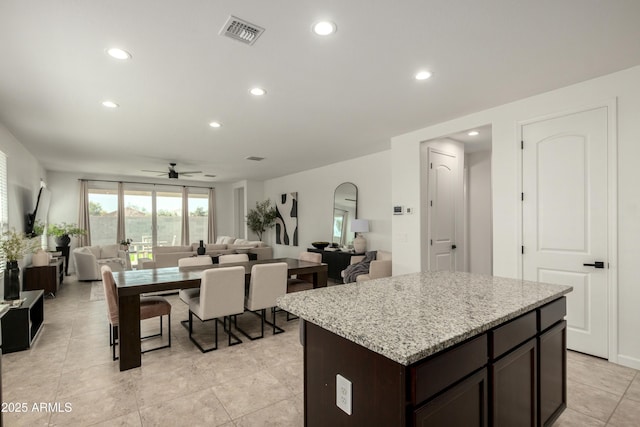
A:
<point x="168" y="256"/>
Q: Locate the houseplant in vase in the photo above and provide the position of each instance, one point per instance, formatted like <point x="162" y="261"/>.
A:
<point x="262" y="218"/>
<point x="63" y="233"/>
<point x="14" y="246"/>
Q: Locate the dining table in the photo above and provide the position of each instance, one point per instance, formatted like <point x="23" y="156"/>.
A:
<point x="132" y="283"/>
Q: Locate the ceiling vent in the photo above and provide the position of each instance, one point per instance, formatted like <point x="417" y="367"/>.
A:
<point x="241" y="30"/>
<point x="254" y="158"/>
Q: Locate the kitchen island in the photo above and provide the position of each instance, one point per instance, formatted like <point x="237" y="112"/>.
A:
<point x="433" y="349"/>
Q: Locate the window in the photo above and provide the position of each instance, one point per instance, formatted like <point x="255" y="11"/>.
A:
<point x="4" y="208"/>
<point x="169" y="211"/>
<point x="198" y="217"/>
<point x="138" y="222"/>
<point x="103" y="214"/>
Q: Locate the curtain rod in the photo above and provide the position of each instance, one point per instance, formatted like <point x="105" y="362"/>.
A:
<point x="147" y="183"/>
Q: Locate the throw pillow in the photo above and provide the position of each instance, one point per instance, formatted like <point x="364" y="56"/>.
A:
<point x="109" y="251"/>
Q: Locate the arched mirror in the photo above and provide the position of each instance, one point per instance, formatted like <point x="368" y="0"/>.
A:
<point x="345" y="208"/>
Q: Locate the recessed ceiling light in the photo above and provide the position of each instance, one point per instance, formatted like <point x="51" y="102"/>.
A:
<point x="423" y="75"/>
<point x="473" y="133"/>
<point x="118" y="53"/>
<point x="257" y="91"/>
<point x="215" y="124"/>
<point x="324" y="28"/>
<point x="109" y="104"/>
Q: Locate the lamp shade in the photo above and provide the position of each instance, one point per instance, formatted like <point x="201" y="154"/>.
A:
<point x="360" y="225"/>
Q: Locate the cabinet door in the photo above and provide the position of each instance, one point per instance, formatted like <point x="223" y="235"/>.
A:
<point x="513" y="387"/>
<point x="463" y="405"/>
<point x="552" y="388"/>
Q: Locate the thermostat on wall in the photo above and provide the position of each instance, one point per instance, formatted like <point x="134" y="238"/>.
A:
<point x="397" y="210"/>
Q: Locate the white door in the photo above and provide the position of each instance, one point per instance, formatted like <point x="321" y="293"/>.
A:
<point x="564" y="209"/>
<point x="442" y="210"/>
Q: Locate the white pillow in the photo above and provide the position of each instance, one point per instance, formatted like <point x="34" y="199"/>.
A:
<point x="220" y="240"/>
<point x="95" y="250"/>
<point x="110" y="251"/>
<point x="227" y="240"/>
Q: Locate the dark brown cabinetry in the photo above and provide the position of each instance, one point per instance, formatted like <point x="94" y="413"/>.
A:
<point x="47" y="278"/>
<point x="336" y="261"/>
<point x="20" y="325"/>
<point x="514" y="374"/>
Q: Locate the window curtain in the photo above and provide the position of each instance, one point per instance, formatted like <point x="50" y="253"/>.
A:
<point x="185" y="216"/>
<point x="211" y="226"/>
<point x="121" y="233"/>
<point x="83" y="214"/>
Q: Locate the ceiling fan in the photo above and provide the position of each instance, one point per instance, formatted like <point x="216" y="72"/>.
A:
<point x="173" y="174"/>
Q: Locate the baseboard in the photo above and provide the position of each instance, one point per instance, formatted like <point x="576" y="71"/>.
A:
<point x="628" y="361"/>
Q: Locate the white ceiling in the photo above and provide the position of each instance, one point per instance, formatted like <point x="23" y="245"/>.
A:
<point x="329" y="99"/>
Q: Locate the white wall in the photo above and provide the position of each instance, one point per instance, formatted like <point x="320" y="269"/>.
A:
<point x="371" y="174"/>
<point x="23" y="178"/>
<point x="478" y="166"/>
<point x="623" y="86"/>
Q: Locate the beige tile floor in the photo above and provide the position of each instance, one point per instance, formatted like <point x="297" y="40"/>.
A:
<point x="256" y="383"/>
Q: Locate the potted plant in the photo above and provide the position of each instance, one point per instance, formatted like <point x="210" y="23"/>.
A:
<point x="63" y="232"/>
<point x="262" y="218"/>
<point x="14" y="246"/>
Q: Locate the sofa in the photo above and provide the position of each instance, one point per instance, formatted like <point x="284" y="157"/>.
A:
<point x="378" y="268"/>
<point x="168" y="256"/>
<point x="89" y="260"/>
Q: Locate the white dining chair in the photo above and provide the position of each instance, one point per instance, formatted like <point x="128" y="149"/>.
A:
<point x="267" y="283"/>
<point x="229" y="258"/>
<point x="187" y="294"/>
<point x="221" y="296"/>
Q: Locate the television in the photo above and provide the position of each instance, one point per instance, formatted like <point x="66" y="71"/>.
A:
<point x="39" y="213"/>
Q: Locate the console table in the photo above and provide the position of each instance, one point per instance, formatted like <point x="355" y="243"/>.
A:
<point x="20" y="325"/>
<point x="335" y="260"/>
<point x="48" y="277"/>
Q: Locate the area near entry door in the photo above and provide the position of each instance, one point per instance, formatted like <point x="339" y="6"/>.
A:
<point x="564" y="217"/>
<point x="443" y="173"/>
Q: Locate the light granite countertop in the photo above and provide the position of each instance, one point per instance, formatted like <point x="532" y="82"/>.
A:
<point x="407" y="318"/>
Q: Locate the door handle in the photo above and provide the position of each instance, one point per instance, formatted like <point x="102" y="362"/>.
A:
<point x="596" y="264"/>
<point x="453" y="246"/>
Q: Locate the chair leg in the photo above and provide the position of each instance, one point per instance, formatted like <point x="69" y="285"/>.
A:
<point x="276" y="329"/>
<point x="159" y="335"/>
<point x="261" y="315"/>
<point x="215" y="321"/>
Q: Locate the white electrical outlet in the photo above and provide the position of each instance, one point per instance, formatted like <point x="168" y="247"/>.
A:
<point x="343" y="393"/>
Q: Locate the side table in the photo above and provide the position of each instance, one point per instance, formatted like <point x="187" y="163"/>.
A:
<point x="48" y="277"/>
<point x="20" y="325"/>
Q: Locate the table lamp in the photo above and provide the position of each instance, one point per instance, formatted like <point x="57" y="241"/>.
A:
<point x="359" y="226"/>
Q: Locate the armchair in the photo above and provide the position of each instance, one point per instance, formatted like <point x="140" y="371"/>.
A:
<point x="378" y="268"/>
<point x="89" y="259"/>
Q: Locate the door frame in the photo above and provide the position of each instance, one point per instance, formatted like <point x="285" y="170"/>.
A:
<point x="612" y="208"/>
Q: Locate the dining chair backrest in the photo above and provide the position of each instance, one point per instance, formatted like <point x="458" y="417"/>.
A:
<point x="194" y="261"/>
<point x="226" y="259"/>
<point x="310" y="256"/>
<point x="268" y="282"/>
<point x="110" y="294"/>
<point x="221" y="292"/>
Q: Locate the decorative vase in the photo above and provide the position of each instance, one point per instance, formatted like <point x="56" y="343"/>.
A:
<point x="63" y="240"/>
<point x="201" y="249"/>
<point x="12" y="281"/>
<point x="40" y="258"/>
